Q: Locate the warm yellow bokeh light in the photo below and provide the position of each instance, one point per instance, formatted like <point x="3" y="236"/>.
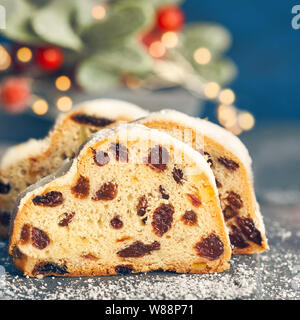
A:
<point x="63" y="83"/>
<point x="5" y="59"/>
<point x="132" y="82"/>
<point x="202" y="56"/>
<point x="98" y="12"/>
<point x="211" y="90"/>
<point x="235" y="130"/>
<point x="24" y="54"/>
<point x="40" y="107"/>
<point x="157" y="49"/>
<point x="227" y="115"/>
<point x="169" y="39"/>
<point x="227" y="96"/>
<point x="64" y="104"/>
<point x="246" y="120"/>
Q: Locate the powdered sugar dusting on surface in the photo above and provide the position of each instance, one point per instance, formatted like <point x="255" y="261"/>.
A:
<point x="274" y="274"/>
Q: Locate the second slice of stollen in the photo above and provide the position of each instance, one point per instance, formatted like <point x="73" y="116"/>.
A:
<point x="231" y="164"/>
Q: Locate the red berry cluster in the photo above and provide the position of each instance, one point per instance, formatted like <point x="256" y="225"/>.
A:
<point x="168" y="18"/>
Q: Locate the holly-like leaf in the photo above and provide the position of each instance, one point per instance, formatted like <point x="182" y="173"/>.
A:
<point x="83" y="14"/>
<point x="18" y="21"/>
<point x="130" y="58"/>
<point x="125" y="19"/>
<point x="94" y="77"/>
<point x="53" y="24"/>
<point x="212" y="36"/>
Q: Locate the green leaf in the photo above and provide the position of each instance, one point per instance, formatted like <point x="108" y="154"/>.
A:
<point x="18" y="18"/>
<point x="83" y="14"/>
<point x="125" y="19"/>
<point x="130" y="58"/>
<point x="222" y="71"/>
<point x="211" y="36"/>
<point x="53" y="24"/>
<point x="92" y="76"/>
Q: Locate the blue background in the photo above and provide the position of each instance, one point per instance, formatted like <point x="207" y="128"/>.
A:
<point x="266" y="50"/>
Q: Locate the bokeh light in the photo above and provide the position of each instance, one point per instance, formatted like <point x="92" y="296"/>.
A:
<point x="5" y="59"/>
<point x="227" y="96"/>
<point x="24" y="54"/>
<point x="169" y="39"/>
<point x="211" y="90"/>
<point x="246" y="120"/>
<point x="64" y="104"/>
<point x="98" y="12"/>
<point x="132" y="82"/>
<point x="202" y="56"/>
<point x="40" y="107"/>
<point x="157" y="49"/>
<point x="63" y="83"/>
<point x="227" y="115"/>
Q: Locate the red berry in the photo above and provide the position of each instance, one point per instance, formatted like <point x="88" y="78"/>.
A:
<point x="49" y="59"/>
<point x="170" y="18"/>
<point x="151" y="36"/>
<point x="15" y="93"/>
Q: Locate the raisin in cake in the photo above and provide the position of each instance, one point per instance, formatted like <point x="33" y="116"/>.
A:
<point x="24" y="164"/>
<point x="231" y="165"/>
<point x="133" y="200"/>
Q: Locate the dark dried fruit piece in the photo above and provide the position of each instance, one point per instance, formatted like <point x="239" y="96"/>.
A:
<point x="108" y="191"/>
<point x="138" y="249"/>
<point x="178" y="175"/>
<point x="249" y="230"/>
<point x="49" y="268"/>
<point x="229" y="213"/>
<point x="145" y="220"/>
<point x="4" y="188"/>
<point x="210" y="248"/>
<point x="17" y="253"/>
<point x="218" y="184"/>
<point x="196" y="202"/>
<point x="190" y="217"/>
<point x="89" y="256"/>
<point x="158" y="158"/>
<point x="142" y="206"/>
<point x="67" y="219"/>
<point x="234" y="200"/>
<point x="207" y="157"/>
<point x="82" y="188"/>
<point x="119" y="151"/>
<point x="25" y="234"/>
<point x="91" y="120"/>
<point x="50" y="199"/>
<point x="39" y="238"/>
<point x="229" y="164"/>
<point x="162" y="219"/>
<point x="101" y="158"/>
<point x="163" y="193"/>
<point x="4" y="218"/>
<point x="124" y="269"/>
<point x="237" y="239"/>
<point x="116" y="222"/>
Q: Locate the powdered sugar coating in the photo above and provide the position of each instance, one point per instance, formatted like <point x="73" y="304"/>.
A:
<point x="106" y="108"/>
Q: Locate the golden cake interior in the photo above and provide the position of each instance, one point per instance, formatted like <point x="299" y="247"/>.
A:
<point x="115" y="214"/>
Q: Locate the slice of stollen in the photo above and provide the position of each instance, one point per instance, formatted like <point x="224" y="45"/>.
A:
<point x="133" y="200"/>
<point x="231" y="165"/>
<point x="26" y="163"/>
